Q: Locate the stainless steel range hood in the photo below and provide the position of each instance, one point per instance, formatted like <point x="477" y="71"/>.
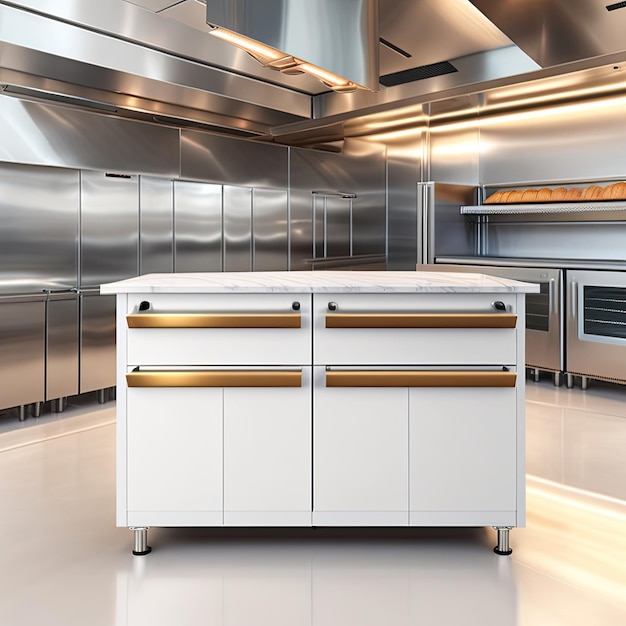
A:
<point x="318" y="37"/>
<point x="553" y="32"/>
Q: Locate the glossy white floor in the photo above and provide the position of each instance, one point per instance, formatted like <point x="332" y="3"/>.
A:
<point x="62" y="561"/>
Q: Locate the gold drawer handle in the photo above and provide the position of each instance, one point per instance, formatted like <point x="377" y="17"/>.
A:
<point x="217" y="378"/>
<point x="214" y="320"/>
<point x="420" y="379"/>
<point x="421" y="320"/>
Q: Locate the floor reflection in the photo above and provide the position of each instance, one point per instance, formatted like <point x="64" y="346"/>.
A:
<point x="319" y="577"/>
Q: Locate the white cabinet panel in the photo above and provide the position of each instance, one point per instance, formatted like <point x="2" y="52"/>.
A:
<point x="220" y="345"/>
<point x="175" y="435"/>
<point x="429" y="345"/>
<point x="462" y="449"/>
<point x="267" y="454"/>
<point x="360" y="454"/>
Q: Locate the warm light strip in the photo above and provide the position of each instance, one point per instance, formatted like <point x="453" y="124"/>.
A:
<point x="572" y="497"/>
<point x="250" y="45"/>
<point x="267" y="53"/>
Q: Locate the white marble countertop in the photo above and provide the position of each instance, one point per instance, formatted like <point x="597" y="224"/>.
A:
<point x="318" y="282"/>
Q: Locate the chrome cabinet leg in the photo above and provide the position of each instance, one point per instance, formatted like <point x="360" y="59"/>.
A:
<point x="21" y="412"/>
<point x="557" y="379"/>
<point x="570" y="380"/>
<point x="503" y="546"/>
<point x="536" y="375"/>
<point x="35" y="409"/>
<point x="141" y="540"/>
<point x="584" y="382"/>
<point x="101" y="396"/>
<point x="59" y="405"/>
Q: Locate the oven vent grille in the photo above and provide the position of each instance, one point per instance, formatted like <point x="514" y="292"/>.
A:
<point x="417" y="73"/>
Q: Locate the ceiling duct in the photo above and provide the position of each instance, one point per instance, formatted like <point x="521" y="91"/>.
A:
<point x="337" y="42"/>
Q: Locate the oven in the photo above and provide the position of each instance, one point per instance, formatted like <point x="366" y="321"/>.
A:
<point x="596" y="325"/>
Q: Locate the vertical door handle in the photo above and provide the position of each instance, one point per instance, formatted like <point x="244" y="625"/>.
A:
<point x="574" y="289"/>
<point x="552" y="296"/>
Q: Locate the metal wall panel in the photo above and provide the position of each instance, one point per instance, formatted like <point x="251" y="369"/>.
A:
<point x="270" y="229"/>
<point x="109" y="249"/>
<point x="454" y="155"/>
<point x="237" y="229"/>
<point x="232" y="161"/>
<point x="38" y="228"/>
<point x="583" y="141"/>
<point x="50" y="135"/>
<point x="156" y="225"/>
<point x="197" y="227"/>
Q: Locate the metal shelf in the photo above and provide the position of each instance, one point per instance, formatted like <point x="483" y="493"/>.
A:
<point x="538" y="208"/>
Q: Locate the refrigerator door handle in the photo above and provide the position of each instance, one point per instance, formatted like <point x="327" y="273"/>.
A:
<point x="574" y="290"/>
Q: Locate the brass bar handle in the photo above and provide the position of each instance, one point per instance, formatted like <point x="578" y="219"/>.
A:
<point x="215" y="378"/>
<point x="420" y="379"/>
<point x="214" y="320"/>
<point x="421" y="320"/>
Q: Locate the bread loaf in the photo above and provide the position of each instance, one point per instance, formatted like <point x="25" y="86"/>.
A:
<point x="559" y="194"/>
<point x="529" y="195"/>
<point x="573" y="194"/>
<point x="544" y="195"/>
<point x="515" y="196"/>
<point x="616" y="191"/>
<point x="494" y="198"/>
<point x="592" y="192"/>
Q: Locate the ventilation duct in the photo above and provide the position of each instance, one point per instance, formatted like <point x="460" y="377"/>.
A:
<point x="337" y="42"/>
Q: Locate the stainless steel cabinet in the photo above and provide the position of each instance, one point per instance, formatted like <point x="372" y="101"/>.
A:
<point x="61" y="346"/>
<point x="270" y="223"/>
<point x="97" y="341"/>
<point x="22" y="323"/>
<point x="109" y="232"/>
<point x="38" y="227"/>
<point x="156" y="225"/>
<point x="237" y="229"/>
<point x="197" y="227"/>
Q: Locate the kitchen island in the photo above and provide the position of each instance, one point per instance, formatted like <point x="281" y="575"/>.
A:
<point x="320" y="399"/>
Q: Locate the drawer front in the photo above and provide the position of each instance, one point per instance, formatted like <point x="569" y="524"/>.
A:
<point x="220" y="329"/>
<point x="405" y="329"/>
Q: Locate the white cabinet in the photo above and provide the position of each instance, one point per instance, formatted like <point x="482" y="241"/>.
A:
<point x="463" y="456"/>
<point x="321" y="404"/>
<point x="174" y="465"/>
<point x="220" y="455"/>
<point x="360" y="455"/>
<point x="267" y="455"/>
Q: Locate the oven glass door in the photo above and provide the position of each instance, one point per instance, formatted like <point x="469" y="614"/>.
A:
<point x="603" y="314"/>
<point x="596" y="324"/>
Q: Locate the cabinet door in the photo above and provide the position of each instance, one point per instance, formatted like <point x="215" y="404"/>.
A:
<point x="360" y="455"/>
<point x="463" y="456"/>
<point x="267" y="455"/>
<point x="174" y="456"/>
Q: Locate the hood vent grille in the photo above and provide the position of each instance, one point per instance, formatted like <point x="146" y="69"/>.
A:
<point x="417" y="73"/>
